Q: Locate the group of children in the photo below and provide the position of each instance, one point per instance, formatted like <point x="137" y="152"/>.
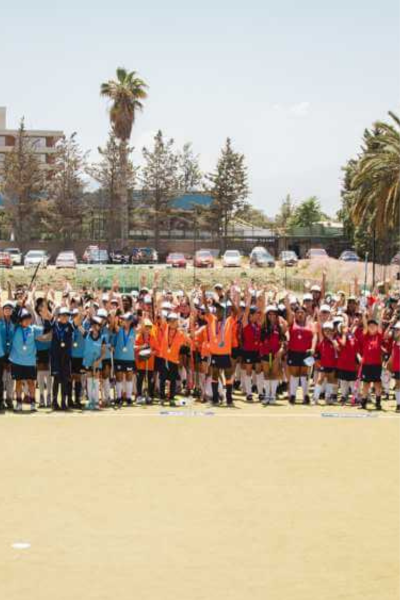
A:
<point x="95" y="350"/>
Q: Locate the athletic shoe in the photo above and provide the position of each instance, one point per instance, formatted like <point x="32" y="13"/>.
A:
<point x="249" y="398"/>
<point x="292" y="400"/>
<point x="398" y="409"/>
<point x="33" y="407"/>
<point x="18" y="408"/>
<point x="306" y="401"/>
<point x="272" y="400"/>
<point x="266" y="401"/>
<point x="261" y="397"/>
<point x="42" y="403"/>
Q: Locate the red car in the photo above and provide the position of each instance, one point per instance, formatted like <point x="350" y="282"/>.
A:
<point x="176" y="259"/>
<point x="5" y="260"/>
<point x="203" y="258"/>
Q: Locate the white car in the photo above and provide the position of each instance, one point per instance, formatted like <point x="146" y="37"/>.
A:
<point x="232" y="258"/>
<point x="33" y="258"/>
<point x="66" y="260"/>
<point x="16" y="255"/>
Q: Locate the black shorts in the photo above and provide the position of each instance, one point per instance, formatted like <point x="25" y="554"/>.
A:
<point x="371" y="373"/>
<point x="124" y="366"/>
<point x="43" y="357"/>
<point x="296" y="359"/>
<point x="221" y="361"/>
<point x="267" y="357"/>
<point x="23" y="373"/>
<point x="396" y="375"/>
<point x="327" y="370"/>
<point x="105" y="363"/>
<point x="77" y="366"/>
<point x="158" y="364"/>
<point x="184" y="351"/>
<point x="347" y="375"/>
<point x="250" y="357"/>
<point x="237" y="353"/>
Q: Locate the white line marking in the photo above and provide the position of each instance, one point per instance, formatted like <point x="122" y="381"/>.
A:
<point x="21" y="545"/>
<point x="222" y="414"/>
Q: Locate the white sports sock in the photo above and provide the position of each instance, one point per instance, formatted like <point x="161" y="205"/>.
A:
<point x="118" y="387"/>
<point x="397" y="394"/>
<point x="183" y="373"/>
<point x="267" y="388"/>
<point x="96" y="391"/>
<point x="323" y="386"/>
<point x="243" y="380"/>
<point x="329" y="391"/>
<point x="238" y="371"/>
<point x="254" y="378"/>
<point x="344" y="388"/>
<point x="274" y="386"/>
<point x="317" y="392"/>
<point x="293" y="385"/>
<point x="202" y="381"/>
<point x="260" y="383"/>
<point x="105" y="384"/>
<point x="208" y="387"/>
<point x="304" y="385"/>
<point x="41" y="380"/>
<point x="129" y="388"/>
<point x="247" y="384"/>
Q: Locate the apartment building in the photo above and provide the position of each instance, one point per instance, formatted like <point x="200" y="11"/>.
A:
<point x="43" y="140"/>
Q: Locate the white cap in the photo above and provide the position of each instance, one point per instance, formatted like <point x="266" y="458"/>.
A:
<point x="166" y="306"/>
<point x="8" y="304"/>
<point x="179" y="294"/>
<point x="173" y="315"/>
<point x="134" y="293"/>
<point x="397" y="326"/>
<point x="127" y="316"/>
<point x="316" y="288"/>
<point x="292" y="300"/>
<point x="64" y="311"/>
<point x="103" y="313"/>
<point x="74" y="312"/>
<point x="97" y="320"/>
<point x="328" y="325"/>
<point x="105" y="297"/>
<point x="147" y="299"/>
<point x="307" y="297"/>
<point x="271" y="308"/>
<point x="325" y="308"/>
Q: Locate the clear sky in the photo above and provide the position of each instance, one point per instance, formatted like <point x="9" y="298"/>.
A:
<point x="293" y="83"/>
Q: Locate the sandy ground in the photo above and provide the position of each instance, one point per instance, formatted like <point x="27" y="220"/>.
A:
<point x="252" y="503"/>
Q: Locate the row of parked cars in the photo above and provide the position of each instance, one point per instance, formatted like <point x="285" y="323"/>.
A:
<point x="259" y="257"/>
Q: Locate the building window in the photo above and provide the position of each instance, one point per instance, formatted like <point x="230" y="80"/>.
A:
<point x="39" y="142"/>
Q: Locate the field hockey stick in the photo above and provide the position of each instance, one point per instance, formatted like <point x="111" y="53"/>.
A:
<point x="34" y="276"/>
<point x="112" y="374"/>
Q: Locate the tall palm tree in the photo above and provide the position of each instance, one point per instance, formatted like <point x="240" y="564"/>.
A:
<point x="375" y="181"/>
<point x="126" y="94"/>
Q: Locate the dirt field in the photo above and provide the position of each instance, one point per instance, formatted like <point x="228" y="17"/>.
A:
<point x="277" y="503"/>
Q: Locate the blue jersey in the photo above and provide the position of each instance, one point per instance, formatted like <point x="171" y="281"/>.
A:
<point x="78" y="343"/>
<point x="7" y="328"/>
<point x="124" y="344"/>
<point x="108" y="337"/>
<point x="23" y="349"/>
<point x="92" y="350"/>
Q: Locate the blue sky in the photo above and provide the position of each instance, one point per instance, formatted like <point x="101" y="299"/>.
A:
<point x="294" y="84"/>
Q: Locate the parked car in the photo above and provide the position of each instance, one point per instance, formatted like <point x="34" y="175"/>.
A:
<point x="396" y="259"/>
<point x="5" y="259"/>
<point x="232" y="258"/>
<point x="203" y="258"/>
<point x="315" y="253"/>
<point x="289" y="258"/>
<point x="176" y="259"/>
<point x="349" y="256"/>
<point x="33" y="258"/>
<point x="66" y="260"/>
<point x="119" y="257"/>
<point x="16" y="255"/>
<point x="98" y="257"/>
<point x="260" y="257"/>
<point x="144" y="256"/>
<point x="86" y="254"/>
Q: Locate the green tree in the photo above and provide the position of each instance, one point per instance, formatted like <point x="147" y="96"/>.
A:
<point x="286" y="213"/>
<point x="190" y="176"/>
<point x="307" y="213"/>
<point x="107" y="173"/>
<point x="229" y="189"/>
<point x="160" y="181"/>
<point x="23" y="186"/>
<point x="66" y="188"/>
<point x="254" y="216"/>
<point x="375" y="184"/>
<point x="126" y="94"/>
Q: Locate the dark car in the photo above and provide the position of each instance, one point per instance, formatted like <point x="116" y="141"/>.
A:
<point x="349" y="256"/>
<point x="144" y="256"/>
<point x="119" y="257"/>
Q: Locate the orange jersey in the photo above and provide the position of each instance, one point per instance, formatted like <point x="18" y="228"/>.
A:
<point x="171" y="343"/>
<point x="159" y="329"/>
<point x="201" y="341"/>
<point x="145" y="340"/>
<point x="220" y="334"/>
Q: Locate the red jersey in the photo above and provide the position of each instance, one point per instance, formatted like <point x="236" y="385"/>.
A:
<point x="271" y="343"/>
<point x="347" y="359"/>
<point x="251" y="336"/>
<point x="300" y="338"/>
<point x="327" y="353"/>
<point x="372" y="349"/>
<point x="395" y="356"/>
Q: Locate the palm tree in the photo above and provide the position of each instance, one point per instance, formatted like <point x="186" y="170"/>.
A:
<point x="126" y="94"/>
<point x="375" y="180"/>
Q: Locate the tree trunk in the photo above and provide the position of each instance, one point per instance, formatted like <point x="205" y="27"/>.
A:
<point x="124" y="201"/>
<point x="157" y="222"/>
